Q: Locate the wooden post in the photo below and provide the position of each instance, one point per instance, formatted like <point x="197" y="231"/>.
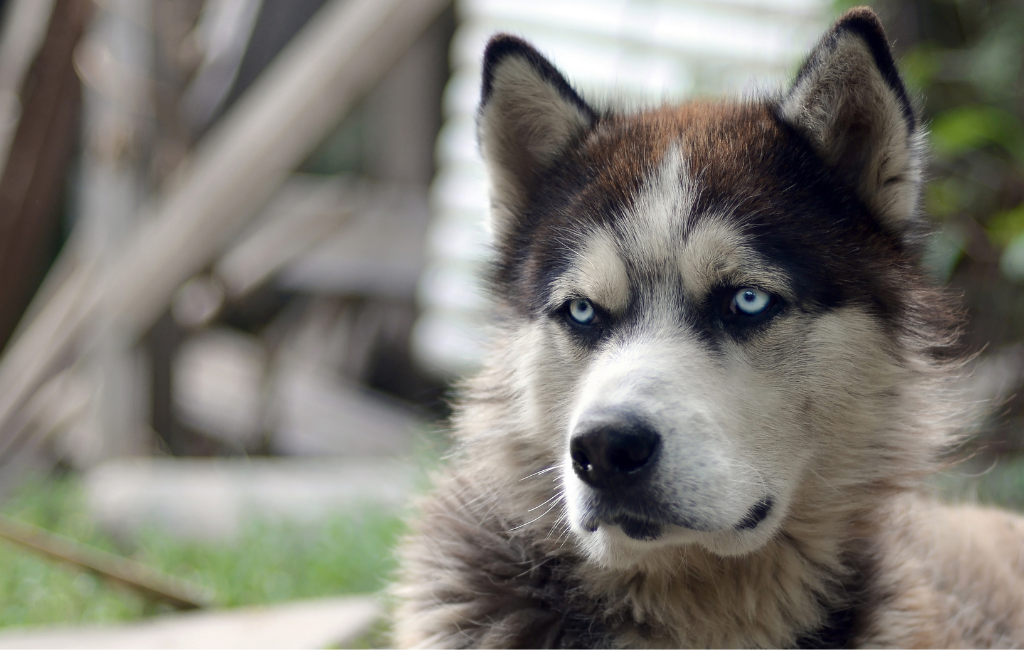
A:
<point x="37" y="148"/>
<point x="115" y="63"/>
<point x="337" y="57"/>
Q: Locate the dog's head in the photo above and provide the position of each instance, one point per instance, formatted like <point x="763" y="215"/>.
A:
<point x="708" y="303"/>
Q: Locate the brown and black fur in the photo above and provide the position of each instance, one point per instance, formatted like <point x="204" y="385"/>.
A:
<point x="816" y="191"/>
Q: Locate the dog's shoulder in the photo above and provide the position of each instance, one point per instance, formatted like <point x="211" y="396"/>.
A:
<point x="953" y="576"/>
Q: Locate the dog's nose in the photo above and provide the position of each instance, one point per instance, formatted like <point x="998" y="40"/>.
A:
<point x="613" y="453"/>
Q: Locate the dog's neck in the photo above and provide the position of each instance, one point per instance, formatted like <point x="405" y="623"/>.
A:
<point x="807" y="587"/>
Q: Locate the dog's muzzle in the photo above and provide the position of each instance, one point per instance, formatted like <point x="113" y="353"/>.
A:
<point x="615" y="455"/>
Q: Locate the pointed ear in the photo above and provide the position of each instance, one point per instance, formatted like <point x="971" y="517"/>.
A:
<point x="849" y="100"/>
<point x="529" y="115"/>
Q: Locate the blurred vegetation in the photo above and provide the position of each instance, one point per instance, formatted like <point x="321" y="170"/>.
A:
<point x="964" y="62"/>
<point x="269" y="562"/>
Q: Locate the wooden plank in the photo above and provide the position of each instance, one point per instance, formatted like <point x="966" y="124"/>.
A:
<point x="378" y="252"/>
<point x="344" y="50"/>
<point x="332" y="235"/>
<point x="142" y="579"/>
<point x="305" y="211"/>
<point x="215" y="499"/>
<point x="323" y="623"/>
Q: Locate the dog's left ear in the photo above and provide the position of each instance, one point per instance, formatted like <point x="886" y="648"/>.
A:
<point x="849" y="100"/>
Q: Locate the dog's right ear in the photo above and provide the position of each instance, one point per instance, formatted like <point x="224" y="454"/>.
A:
<point x="529" y="114"/>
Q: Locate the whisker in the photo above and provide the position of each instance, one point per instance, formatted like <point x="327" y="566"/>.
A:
<point x="543" y="471"/>
<point x="535" y="519"/>
<point x="546" y="501"/>
<point x="826" y="482"/>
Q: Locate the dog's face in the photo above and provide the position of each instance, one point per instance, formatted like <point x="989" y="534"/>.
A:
<point x="703" y="298"/>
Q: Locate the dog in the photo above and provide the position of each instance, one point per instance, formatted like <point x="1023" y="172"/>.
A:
<point x="719" y="378"/>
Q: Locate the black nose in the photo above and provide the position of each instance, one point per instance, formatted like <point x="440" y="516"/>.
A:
<point x="612" y="453"/>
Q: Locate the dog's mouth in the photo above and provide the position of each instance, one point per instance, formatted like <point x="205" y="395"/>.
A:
<point x="634" y="527"/>
<point x="757" y="513"/>
<point x="649" y="526"/>
<point x="644" y="527"/>
<point x="638" y="529"/>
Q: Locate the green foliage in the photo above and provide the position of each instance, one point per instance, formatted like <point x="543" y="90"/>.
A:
<point x="963" y="62"/>
<point x="961" y="130"/>
<point x="966" y="59"/>
<point x="1005" y="227"/>
<point x="269" y="562"/>
<point x="919" y="66"/>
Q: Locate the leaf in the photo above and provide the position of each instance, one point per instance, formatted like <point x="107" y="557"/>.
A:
<point x="964" y="129"/>
<point x="919" y="67"/>
<point x="1004" y="227"/>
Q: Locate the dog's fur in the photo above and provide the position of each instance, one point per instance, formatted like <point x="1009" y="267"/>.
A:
<point x="776" y="501"/>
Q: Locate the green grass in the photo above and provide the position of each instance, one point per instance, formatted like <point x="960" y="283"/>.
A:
<point x="269" y="562"/>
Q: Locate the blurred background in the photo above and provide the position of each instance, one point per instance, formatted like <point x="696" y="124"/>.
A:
<point x="239" y="250"/>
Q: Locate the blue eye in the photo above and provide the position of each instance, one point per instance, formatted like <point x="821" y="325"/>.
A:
<point x="582" y="311"/>
<point x="750" y="302"/>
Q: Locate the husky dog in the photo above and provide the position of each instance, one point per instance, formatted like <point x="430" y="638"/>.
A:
<point x="719" y="378"/>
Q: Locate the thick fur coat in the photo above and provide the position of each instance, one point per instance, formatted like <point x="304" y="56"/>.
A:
<point x="719" y="378"/>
